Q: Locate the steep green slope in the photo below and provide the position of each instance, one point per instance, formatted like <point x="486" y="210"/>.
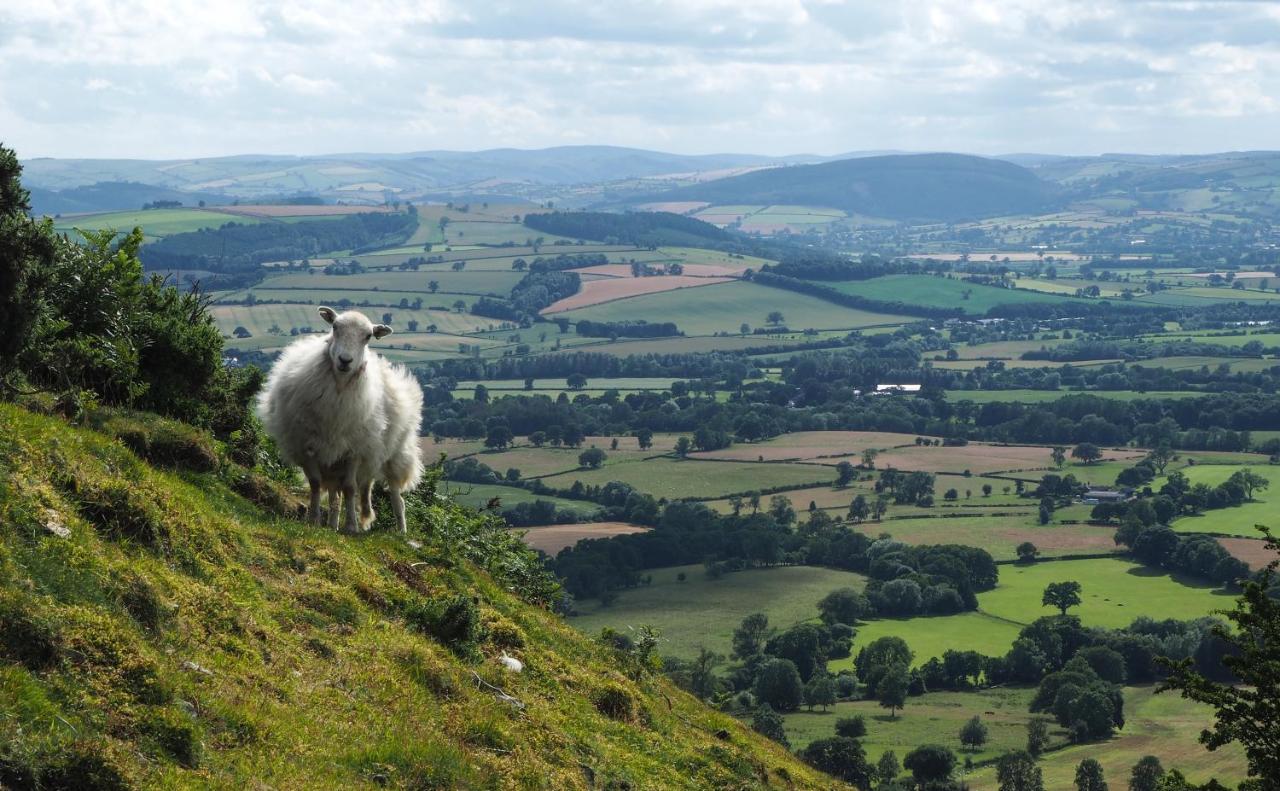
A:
<point x="158" y="630"/>
<point x="918" y="187"/>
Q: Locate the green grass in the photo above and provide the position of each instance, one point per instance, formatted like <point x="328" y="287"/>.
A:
<point x="258" y="319"/>
<point x="726" y="306"/>
<point x="306" y="656"/>
<point x="674" y="478"/>
<point x="154" y="222"/>
<point x="1240" y="520"/>
<point x="934" y="718"/>
<point x="704" y="612"/>
<point x="368" y="284"/>
<point x="930" y="637"/>
<point x="943" y="292"/>
<point x="999" y="535"/>
<point x="1115" y="592"/>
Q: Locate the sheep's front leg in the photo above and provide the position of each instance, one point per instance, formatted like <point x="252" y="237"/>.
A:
<point x="314" y="510"/>
<point x="397" y="507"/>
<point x="351" y="495"/>
<point x="366" y="505"/>
<point x="334" y="494"/>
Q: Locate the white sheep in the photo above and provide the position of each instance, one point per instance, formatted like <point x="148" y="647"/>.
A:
<point x="347" y="417"/>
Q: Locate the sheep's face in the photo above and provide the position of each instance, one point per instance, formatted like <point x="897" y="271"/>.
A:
<point x="351" y="334"/>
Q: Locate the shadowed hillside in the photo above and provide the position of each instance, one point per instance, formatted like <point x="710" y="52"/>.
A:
<point x="918" y="187"/>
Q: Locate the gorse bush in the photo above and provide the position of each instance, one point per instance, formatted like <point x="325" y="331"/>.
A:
<point x="82" y="321"/>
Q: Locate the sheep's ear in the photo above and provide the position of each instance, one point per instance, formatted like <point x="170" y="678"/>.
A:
<point x="381" y="330"/>
<point x="328" y="314"/>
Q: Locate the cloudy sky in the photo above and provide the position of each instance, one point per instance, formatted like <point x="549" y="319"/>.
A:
<point x="165" y="78"/>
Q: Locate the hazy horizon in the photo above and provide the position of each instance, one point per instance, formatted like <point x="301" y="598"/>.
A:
<point x="153" y="80"/>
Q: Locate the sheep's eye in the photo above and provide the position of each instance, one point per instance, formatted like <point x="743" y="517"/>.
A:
<point x="368" y="337"/>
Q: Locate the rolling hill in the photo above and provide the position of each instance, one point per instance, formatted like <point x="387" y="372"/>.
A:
<point x="916" y="187"/>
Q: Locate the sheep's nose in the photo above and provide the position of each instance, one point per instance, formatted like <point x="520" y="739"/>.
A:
<point x="345" y="359"/>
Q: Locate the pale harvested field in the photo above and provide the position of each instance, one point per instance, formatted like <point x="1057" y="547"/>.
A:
<point x="807" y="445"/>
<point x="553" y="538"/>
<point x="299" y="211"/>
<point x="690" y="270"/>
<point x="676" y="206"/>
<point x="595" y="292"/>
<point x="980" y="458"/>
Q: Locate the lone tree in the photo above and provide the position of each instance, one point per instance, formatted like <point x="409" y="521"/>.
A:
<point x="775" y="318"/>
<point x="930" y="763"/>
<point x="576" y="381"/>
<point x="1017" y="771"/>
<point x="1086" y="452"/>
<point x="973" y="734"/>
<point x="1061" y="595"/>
<point x="1146" y="774"/>
<point x="1059" y="456"/>
<point x="820" y="691"/>
<point x="1245" y="713"/>
<point x="859" y="510"/>
<point x="843" y="605"/>
<point x="845" y="473"/>
<point x="888" y="768"/>
<point x="779" y="685"/>
<point x="891" y="692"/>
<point x="854" y="727"/>
<point x="1027" y="552"/>
<point x="683" y="446"/>
<point x="1089" y="776"/>
<point x="592" y="458"/>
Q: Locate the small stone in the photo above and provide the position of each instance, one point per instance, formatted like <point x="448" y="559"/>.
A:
<point x="414" y="544"/>
<point x="187" y="664"/>
<point x="187" y="707"/>
<point x="53" y="525"/>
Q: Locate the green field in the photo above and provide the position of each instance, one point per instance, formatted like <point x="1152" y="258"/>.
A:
<point x="704" y="612"/>
<point x="258" y="319"/>
<point x="998" y="534"/>
<point x="726" y="306"/>
<point x="1237" y="521"/>
<point x="942" y="292"/>
<point x="673" y="478"/>
<point x="1114" y="593"/>
<point x="155" y="223"/>
<point x="479" y="495"/>
<point x="1162" y="725"/>
<point x="368" y="285"/>
<point x="1165" y="726"/>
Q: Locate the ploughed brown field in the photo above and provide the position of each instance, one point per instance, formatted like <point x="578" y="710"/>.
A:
<point x="553" y="538"/>
<point x="979" y="458"/>
<point x="251" y="210"/>
<point x="1251" y="550"/>
<point x="607" y="290"/>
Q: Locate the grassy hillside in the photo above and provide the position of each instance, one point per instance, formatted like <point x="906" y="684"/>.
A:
<point x="158" y="630"/>
<point x="912" y="187"/>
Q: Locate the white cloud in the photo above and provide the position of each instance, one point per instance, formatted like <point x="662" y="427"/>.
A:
<point x="189" y="78"/>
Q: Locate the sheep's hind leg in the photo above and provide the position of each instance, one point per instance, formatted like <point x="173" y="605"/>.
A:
<point x="397" y="507"/>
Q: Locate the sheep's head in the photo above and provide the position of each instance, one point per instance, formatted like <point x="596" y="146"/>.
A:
<point x="351" y="334"/>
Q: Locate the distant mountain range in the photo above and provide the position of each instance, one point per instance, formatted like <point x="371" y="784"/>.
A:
<point x="888" y="185"/>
